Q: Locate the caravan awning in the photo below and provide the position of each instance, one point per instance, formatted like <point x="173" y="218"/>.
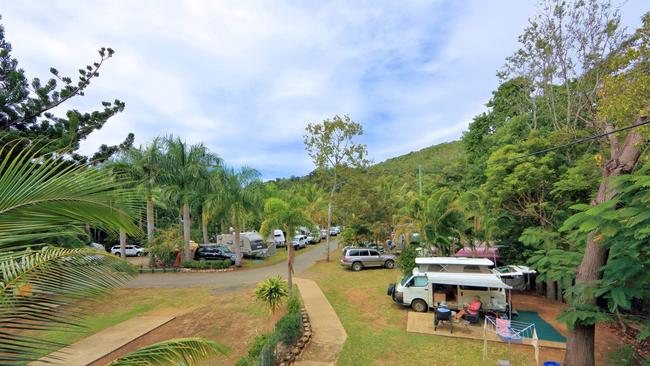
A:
<point x="467" y="279"/>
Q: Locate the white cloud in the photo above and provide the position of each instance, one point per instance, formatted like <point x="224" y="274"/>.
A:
<point x="245" y="77"/>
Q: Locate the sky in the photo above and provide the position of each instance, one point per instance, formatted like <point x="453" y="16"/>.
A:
<point x="246" y="77"/>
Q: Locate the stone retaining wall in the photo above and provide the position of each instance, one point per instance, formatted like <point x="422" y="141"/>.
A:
<point x="293" y="352"/>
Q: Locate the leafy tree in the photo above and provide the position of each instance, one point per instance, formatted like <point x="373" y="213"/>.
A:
<point x="279" y="214"/>
<point x="589" y="73"/>
<point x="330" y="146"/>
<point x="26" y="109"/>
<point x="183" y="167"/>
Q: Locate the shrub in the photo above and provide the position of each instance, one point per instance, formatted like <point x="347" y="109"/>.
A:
<point x="165" y="244"/>
<point x="289" y="327"/>
<point x="206" y="264"/>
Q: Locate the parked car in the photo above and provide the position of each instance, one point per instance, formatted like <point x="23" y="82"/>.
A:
<point x="299" y="242"/>
<point x="130" y="251"/>
<point x="97" y="246"/>
<point x="313" y="238"/>
<point x="214" y="251"/>
<point x="323" y="234"/>
<point x="333" y="231"/>
<point x="360" y="258"/>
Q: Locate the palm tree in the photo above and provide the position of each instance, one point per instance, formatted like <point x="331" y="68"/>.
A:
<point x="279" y="214"/>
<point x="184" y="169"/>
<point x="142" y="166"/>
<point x="238" y="192"/>
<point x="42" y="198"/>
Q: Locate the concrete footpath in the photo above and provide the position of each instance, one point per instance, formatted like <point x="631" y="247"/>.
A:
<point x="328" y="334"/>
<point x="102" y="343"/>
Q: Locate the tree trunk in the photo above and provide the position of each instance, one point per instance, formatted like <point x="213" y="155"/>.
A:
<point x="550" y="290"/>
<point x="329" y="216"/>
<point x="187" y="252"/>
<point x="237" y="245"/>
<point x="580" y="342"/>
<point x="204" y="226"/>
<point x="289" y="265"/>
<point x="122" y="243"/>
<point x="150" y="222"/>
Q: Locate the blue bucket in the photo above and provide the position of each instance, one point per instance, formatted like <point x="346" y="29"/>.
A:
<point x="552" y="363"/>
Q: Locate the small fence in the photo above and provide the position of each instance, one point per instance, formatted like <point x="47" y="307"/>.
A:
<point x="509" y="331"/>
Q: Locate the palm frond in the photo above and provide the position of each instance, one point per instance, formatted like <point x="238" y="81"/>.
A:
<point x="181" y="351"/>
<point x="38" y="195"/>
<point x="37" y="289"/>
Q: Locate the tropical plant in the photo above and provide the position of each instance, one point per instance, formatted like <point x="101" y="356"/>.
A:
<point x="142" y="166"/>
<point x="238" y="192"/>
<point x="272" y="292"/>
<point x="279" y="214"/>
<point x="165" y="244"/>
<point x="183" y="169"/>
<point x="179" y="351"/>
<point x="42" y="198"/>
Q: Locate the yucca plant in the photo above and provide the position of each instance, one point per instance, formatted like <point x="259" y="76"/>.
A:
<point x="272" y="292"/>
<point x="181" y="351"/>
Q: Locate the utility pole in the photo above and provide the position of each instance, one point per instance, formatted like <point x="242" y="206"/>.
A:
<point x="420" y="178"/>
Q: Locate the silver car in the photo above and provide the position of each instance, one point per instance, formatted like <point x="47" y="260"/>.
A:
<point x="360" y="258"/>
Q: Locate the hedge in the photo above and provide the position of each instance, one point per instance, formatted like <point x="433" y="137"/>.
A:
<point x="217" y="264"/>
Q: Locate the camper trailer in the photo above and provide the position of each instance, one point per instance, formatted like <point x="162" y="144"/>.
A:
<point x="454" y="265"/>
<point x="251" y="244"/>
<point x="278" y="238"/>
<point x="424" y="290"/>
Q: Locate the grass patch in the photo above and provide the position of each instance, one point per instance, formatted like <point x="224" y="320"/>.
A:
<point x="376" y="326"/>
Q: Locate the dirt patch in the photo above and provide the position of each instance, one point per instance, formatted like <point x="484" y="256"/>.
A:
<point x="232" y="319"/>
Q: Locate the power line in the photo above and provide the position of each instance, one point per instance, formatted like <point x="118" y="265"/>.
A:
<point x="578" y="141"/>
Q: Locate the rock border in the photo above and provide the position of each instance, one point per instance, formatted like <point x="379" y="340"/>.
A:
<point x="183" y="270"/>
<point x="296" y="350"/>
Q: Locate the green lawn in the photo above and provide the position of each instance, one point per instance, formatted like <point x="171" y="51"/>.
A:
<point x="376" y="326"/>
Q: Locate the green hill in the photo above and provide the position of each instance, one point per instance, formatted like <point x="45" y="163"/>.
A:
<point x="441" y="158"/>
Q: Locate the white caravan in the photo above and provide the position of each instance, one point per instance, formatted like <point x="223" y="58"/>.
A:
<point x="424" y="290"/>
<point x="454" y="265"/>
<point x="250" y="244"/>
<point x="278" y="238"/>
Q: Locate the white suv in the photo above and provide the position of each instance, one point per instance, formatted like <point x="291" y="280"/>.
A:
<point x="131" y="251"/>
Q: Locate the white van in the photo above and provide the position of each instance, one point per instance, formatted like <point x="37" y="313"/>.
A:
<point x="278" y="238"/>
<point x="424" y="290"/>
<point x="250" y="244"/>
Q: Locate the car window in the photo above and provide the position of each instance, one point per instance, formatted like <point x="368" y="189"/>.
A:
<point x="374" y="252"/>
<point x="364" y="253"/>
<point x="353" y="252"/>
<point x="420" y="281"/>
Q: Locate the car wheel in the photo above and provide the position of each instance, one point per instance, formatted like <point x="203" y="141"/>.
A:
<point x="118" y="254"/>
<point x="138" y="254"/>
<point x="391" y="289"/>
<point x="357" y="266"/>
<point x="419" y="305"/>
<point x="390" y="264"/>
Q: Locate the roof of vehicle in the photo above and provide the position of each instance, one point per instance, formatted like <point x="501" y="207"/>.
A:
<point x="454" y="260"/>
<point x="464" y="279"/>
<point x="481" y="251"/>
